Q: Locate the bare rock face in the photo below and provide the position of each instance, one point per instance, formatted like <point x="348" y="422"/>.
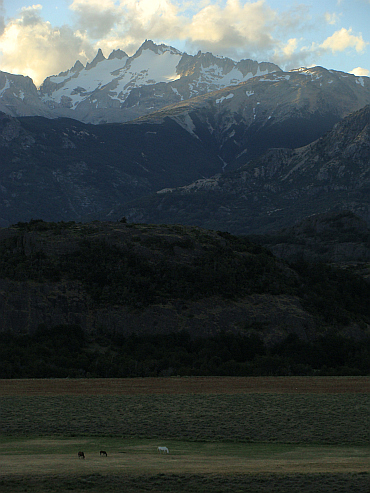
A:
<point x="19" y="96"/>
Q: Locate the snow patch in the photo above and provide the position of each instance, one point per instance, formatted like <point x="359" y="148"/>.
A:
<point x="7" y="85"/>
<point x="275" y="78"/>
<point x="187" y="123"/>
<point x="220" y="100"/>
<point x="177" y="93"/>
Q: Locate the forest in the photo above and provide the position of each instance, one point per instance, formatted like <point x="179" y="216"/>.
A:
<point x="66" y="352"/>
<point x="134" y="267"/>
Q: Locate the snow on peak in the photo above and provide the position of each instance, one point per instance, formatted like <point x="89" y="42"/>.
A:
<point x="110" y="81"/>
<point x="117" y="54"/>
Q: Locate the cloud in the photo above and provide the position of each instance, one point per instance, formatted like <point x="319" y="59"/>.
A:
<point x="342" y="40"/>
<point x="360" y="71"/>
<point x="126" y="24"/>
<point x="95" y="17"/>
<point x="235" y="28"/>
<point x="332" y="18"/>
<point x="31" y="46"/>
<point x="231" y="29"/>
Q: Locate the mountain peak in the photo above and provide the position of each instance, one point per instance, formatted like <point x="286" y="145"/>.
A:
<point x="77" y="67"/>
<point x="98" y="58"/>
<point x="119" y="54"/>
<point x="158" y="49"/>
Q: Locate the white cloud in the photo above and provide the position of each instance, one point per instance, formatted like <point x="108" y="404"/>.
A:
<point x="342" y="40"/>
<point x="235" y="28"/>
<point x="360" y="71"/>
<point x="31" y="46"/>
<point x="290" y="48"/>
<point x="231" y="29"/>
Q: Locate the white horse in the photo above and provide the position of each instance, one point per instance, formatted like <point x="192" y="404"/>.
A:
<point x="163" y="450"/>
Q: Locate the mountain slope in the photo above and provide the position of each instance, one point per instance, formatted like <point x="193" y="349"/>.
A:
<point x="282" y="109"/>
<point x="62" y="169"/>
<point x="121" y="88"/>
<point x="340" y="238"/>
<point x="277" y="189"/>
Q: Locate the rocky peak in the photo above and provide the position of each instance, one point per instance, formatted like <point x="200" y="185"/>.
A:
<point x="119" y="54"/>
<point x="98" y="58"/>
<point x="77" y="67"/>
<point x="157" y="49"/>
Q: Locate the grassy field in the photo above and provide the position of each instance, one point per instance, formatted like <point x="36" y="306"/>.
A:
<point x="277" y="434"/>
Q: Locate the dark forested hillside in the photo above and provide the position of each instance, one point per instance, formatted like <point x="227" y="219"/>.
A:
<point x="120" y="282"/>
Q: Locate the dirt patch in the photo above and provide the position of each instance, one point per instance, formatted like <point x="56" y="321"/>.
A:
<point x="211" y="385"/>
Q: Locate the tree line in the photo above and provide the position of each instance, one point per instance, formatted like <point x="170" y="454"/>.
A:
<point x="66" y="351"/>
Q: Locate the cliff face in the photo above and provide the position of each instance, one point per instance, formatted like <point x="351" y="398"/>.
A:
<point x="19" y="97"/>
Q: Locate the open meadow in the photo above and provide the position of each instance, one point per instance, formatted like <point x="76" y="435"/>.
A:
<point x="224" y="434"/>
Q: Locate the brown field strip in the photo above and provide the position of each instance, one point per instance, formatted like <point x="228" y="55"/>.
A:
<point x="186" y="385"/>
<point x="23" y="465"/>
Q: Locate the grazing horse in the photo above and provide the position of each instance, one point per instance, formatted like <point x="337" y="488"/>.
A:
<point x="163" y="450"/>
<point x="103" y="452"/>
<point x="81" y="455"/>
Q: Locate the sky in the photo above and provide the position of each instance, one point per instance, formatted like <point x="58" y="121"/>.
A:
<point x="46" y="38"/>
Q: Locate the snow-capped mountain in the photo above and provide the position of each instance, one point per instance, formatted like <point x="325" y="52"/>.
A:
<point x="193" y="120"/>
<point x="121" y="88"/>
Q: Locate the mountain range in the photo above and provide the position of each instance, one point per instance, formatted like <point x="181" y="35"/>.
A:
<point x="121" y="87"/>
<point x="201" y="140"/>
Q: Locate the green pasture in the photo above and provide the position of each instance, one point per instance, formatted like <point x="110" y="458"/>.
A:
<point x="256" y="451"/>
<point x="218" y="443"/>
<point x="51" y="464"/>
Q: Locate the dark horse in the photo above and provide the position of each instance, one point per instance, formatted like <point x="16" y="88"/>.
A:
<point x="81" y="454"/>
<point x="103" y="452"/>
